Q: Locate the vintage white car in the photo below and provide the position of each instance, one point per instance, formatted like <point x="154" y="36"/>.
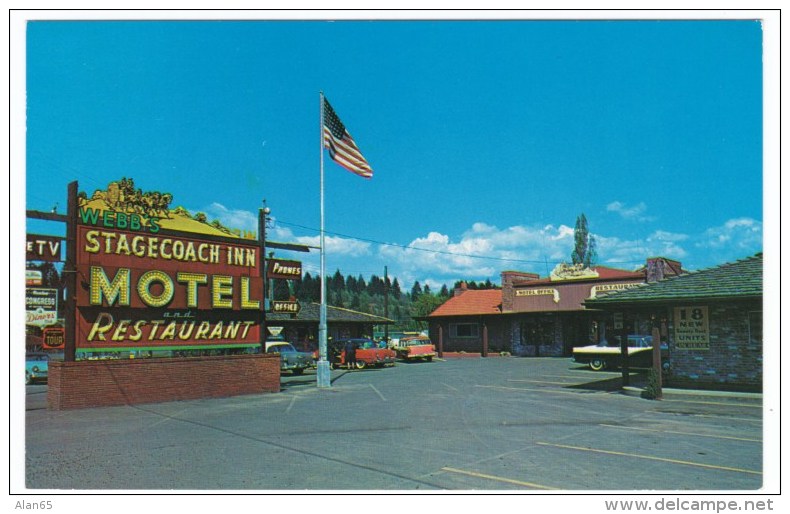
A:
<point x="607" y="354"/>
<point x="415" y="348"/>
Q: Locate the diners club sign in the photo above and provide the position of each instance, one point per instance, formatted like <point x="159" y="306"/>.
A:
<point x="140" y="286"/>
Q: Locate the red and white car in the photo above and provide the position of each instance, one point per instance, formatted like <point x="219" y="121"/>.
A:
<point x="415" y="348"/>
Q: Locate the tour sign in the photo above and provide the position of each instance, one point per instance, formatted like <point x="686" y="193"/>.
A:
<point x="54" y="337"/>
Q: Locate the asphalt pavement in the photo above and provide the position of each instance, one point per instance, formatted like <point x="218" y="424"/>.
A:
<point x="472" y="424"/>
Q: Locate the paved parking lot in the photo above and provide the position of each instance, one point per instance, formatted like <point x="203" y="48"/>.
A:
<point x="523" y="424"/>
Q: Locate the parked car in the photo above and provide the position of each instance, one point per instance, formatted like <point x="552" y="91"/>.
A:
<point x="36" y="367"/>
<point x="608" y="354"/>
<point x="290" y="358"/>
<point x="368" y="353"/>
<point x="415" y="348"/>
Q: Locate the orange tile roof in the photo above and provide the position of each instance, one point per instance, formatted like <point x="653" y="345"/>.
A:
<point x="471" y="301"/>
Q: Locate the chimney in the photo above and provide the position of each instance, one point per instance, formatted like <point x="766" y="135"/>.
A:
<point x="508" y="278"/>
<point x="659" y="268"/>
<point x="460" y="289"/>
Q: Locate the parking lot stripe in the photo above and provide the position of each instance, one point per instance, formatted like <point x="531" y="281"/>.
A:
<point x="535" y="390"/>
<point x="683" y="433"/>
<point x="543" y="382"/>
<point x="651" y="457"/>
<point x="378" y="393"/>
<point x="498" y="479"/>
<point x="290" y="405"/>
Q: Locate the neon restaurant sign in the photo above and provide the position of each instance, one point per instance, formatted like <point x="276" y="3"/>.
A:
<point x="149" y="279"/>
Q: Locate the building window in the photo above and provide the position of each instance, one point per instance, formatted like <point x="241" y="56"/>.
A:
<point x="756" y="327"/>
<point x="469" y="330"/>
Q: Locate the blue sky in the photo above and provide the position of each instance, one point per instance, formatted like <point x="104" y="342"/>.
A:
<point x="487" y="138"/>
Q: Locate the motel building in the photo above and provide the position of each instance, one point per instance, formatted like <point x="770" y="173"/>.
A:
<point x="711" y="321"/>
<point x="541" y="317"/>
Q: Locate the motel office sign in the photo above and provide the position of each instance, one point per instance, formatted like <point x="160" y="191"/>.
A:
<point x="141" y="288"/>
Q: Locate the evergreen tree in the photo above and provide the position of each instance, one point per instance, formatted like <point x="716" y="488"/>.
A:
<point x="584" y="244"/>
<point x="396" y="292"/>
<point x="281" y="291"/>
<point x="444" y="291"/>
<point x="416" y="291"/>
<point x="351" y="285"/>
<point x="338" y="283"/>
<point x="376" y="285"/>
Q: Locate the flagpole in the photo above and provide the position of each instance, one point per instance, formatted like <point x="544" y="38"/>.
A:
<point x="322" y="370"/>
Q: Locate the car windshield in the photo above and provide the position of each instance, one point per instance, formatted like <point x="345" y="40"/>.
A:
<point x="633" y="342"/>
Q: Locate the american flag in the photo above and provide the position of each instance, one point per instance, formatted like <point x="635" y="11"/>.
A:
<point x="342" y="148"/>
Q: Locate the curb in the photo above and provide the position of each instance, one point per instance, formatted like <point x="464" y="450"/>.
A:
<point x="688" y="393"/>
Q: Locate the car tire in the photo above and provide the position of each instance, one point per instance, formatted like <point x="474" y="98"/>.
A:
<point x="597" y="364"/>
<point x="297" y="371"/>
<point x="429" y="359"/>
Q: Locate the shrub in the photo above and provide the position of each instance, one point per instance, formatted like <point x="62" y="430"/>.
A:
<point x="652" y="390"/>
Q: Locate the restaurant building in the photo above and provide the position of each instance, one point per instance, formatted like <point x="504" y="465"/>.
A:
<point x="712" y="321"/>
<point x="534" y="316"/>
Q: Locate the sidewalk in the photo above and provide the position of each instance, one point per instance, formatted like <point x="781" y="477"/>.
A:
<point x="638" y="383"/>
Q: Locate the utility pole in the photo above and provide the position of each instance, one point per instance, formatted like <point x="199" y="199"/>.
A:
<point x="70" y="272"/>
<point x="386" y="305"/>
<point x="263" y="214"/>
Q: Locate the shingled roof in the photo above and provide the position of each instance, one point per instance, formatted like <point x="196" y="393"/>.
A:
<point x="740" y="279"/>
<point x="471" y="301"/>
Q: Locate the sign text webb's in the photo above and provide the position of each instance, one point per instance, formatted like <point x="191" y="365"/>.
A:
<point x="144" y="289"/>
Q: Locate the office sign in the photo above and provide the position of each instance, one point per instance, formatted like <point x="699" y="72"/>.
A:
<point x="289" y="307"/>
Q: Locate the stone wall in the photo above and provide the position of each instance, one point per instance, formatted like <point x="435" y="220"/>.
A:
<point x="733" y="361"/>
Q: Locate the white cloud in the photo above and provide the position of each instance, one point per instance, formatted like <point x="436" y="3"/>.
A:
<point x="231" y="218"/>
<point x="337" y="246"/>
<point x="739" y="233"/>
<point x="484" y="250"/>
<point x="635" y="212"/>
<point x="516" y="247"/>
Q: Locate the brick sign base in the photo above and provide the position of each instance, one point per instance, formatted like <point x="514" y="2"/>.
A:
<point x="102" y="383"/>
